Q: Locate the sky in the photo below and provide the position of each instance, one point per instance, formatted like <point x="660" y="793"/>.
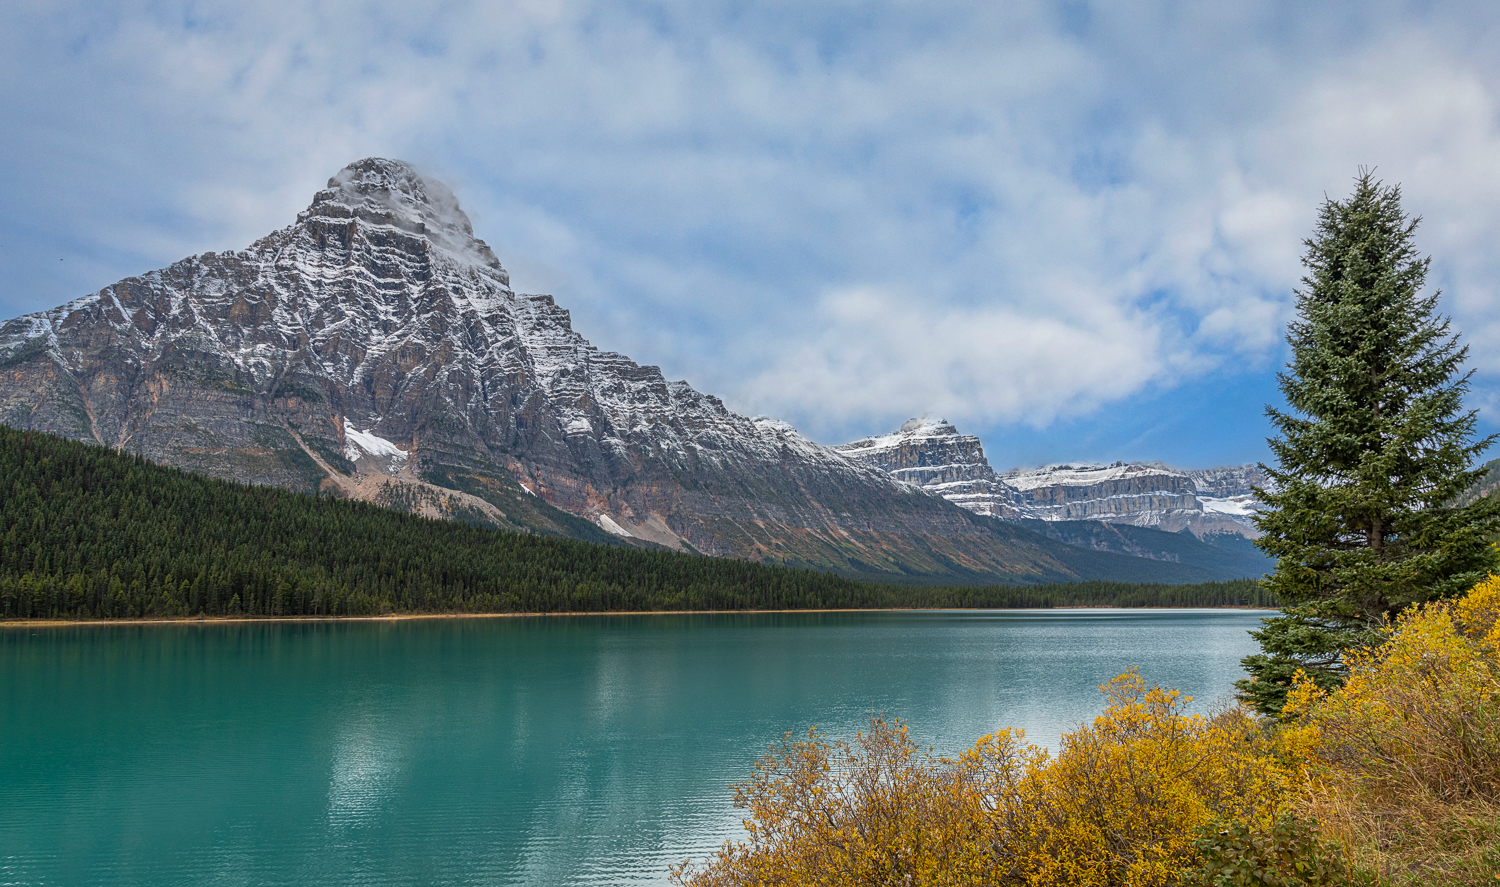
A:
<point x="1073" y="229"/>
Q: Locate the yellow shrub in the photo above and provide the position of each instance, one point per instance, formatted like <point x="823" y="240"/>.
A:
<point x="1125" y="797"/>
<point x="1478" y="615"/>
<point x="1402" y="765"/>
<point x="1404" y="760"/>
<point x="1120" y="804"/>
<point x="1421" y="712"/>
<point x="878" y="810"/>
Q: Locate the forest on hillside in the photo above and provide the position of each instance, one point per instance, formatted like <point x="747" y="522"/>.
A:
<point x="88" y="533"/>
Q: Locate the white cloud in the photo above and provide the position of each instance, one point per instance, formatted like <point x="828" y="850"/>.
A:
<point x="878" y="357"/>
<point x="1005" y="213"/>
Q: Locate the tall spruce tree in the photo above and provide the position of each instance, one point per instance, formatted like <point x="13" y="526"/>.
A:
<point x="1371" y="456"/>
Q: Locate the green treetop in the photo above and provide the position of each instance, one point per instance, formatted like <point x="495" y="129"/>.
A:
<point x="1371" y="455"/>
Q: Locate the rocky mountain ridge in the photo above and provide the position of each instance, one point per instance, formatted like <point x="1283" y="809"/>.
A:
<point x="375" y="348"/>
<point x="932" y="454"/>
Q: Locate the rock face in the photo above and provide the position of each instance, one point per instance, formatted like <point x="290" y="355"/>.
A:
<point x="933" y="455"/>
<point x="1228" y="483"/>
<point x="375" y="348"/>
<point x="1228" y="496"/>
<point x="1140" y="494"/>
<point x="1486" y="486"/>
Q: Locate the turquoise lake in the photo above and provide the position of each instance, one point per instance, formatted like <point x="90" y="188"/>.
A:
<point x="535" y="751"/>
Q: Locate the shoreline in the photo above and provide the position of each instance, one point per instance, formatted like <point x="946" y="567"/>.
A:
<point x="402" y="617"/>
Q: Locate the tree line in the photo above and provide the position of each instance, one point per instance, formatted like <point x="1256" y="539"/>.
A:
<point x="88" y="533"/>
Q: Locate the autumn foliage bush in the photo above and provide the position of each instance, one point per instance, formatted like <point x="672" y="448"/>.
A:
<point x="1403" y="763"/>
<point x="1121" y="803"/>
<point x="1393" y="779"/>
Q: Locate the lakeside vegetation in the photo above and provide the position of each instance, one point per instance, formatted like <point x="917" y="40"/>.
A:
<point x="1365" y="748"/>
<point x="1392" y="779"/>
<point x="93" y="534"/>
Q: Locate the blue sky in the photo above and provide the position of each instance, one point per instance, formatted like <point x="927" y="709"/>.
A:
<point x="1071" y="228"/>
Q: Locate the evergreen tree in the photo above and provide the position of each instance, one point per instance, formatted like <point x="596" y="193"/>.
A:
<point x="1372" y="455"/>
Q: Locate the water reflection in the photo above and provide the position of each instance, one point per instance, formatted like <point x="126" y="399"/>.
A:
<point x="502" y="751"/>
<point x="363" y="763"/>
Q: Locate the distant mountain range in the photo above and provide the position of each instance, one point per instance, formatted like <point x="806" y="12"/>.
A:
<point x="932" y="454"/>
<point x="374" y="349"/>
<point x="1148" y="510"/>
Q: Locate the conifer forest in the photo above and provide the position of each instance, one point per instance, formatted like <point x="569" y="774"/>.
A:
<point x="92" y="534"/>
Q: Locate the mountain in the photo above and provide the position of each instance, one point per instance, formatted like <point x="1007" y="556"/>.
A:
<point x="932" y="454"/>
<point x="1138" y="493"/>
<point x="1197" y="519"/>
<point x="374" y="349"/>
<point x="1145" y="494"/>
<point x="1228" y="495"/>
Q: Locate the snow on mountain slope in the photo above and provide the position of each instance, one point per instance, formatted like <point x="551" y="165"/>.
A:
<point x="377" y="340"/>
<point x="933" y="455"/>
<point x="1235" y="506"/>
<point x="1089" y="474"/>
<point x="359" y="445"/>
<point x="1137" y="493"/>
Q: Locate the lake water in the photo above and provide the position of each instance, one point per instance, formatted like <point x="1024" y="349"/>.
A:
<point x="535" y="751"/>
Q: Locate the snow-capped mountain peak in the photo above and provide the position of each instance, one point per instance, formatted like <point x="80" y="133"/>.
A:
<point x="933" y="455"/>
<point x="376" y="344"/>
<point x="393" y="193"/>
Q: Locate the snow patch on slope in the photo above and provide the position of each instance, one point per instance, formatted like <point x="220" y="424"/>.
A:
<point x="1235" y="506"/>
<point x="610" y="526"/>
<point x="912" y="431"/>
<point x="358" y="444"/>
<point x="1083" y="474"/>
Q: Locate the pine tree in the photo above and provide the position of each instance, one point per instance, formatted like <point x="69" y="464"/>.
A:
<point x="1372" y="454"/>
